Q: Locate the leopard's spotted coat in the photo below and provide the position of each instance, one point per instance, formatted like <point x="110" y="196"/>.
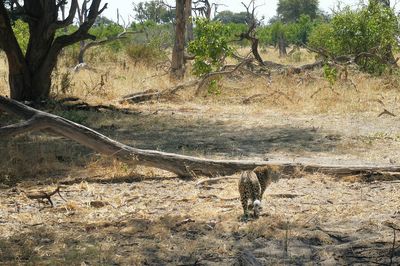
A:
<point x="252" y="185"/>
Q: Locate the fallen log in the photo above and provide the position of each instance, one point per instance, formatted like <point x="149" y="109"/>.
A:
<point x="154" y="94"/>
<point x="181" y="165"/>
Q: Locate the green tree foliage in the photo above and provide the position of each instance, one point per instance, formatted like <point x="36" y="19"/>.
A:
<point x="161" y="35"/>
<point x="235" y="29"/>
<point x="210" y="46"/>
<point x="102" y="20"/>
<point x="227" y="17"/>
<point x="291" y="10"/>
<point x="104" y="29"/>
<point x="296" y="33"/>
<point x="21" y="32"/>
<point x="278" y="29"/>
<point x="153" y="10"/>
<point x="370" y="31"/>
<point x="150" y="46"/>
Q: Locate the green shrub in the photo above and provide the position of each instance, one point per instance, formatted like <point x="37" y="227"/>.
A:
<point x="210" y="46"/>
<point x="144" y="53"/>
<point x="296" y="33"/>
<point x="371" y="29"/>
<point x="104" y="31"/>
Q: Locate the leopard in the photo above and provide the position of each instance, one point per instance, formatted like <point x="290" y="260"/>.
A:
<point x="252" y="185"/>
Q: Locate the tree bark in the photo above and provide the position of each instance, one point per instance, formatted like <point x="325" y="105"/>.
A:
<point x="250" y="34"/>
<point x="185" y="166"/>
<point x="19" y="75"/>
<point x="82" y="18"/>
<point x="189" y="21"/>
<point x="178" y="52"/>
<point x="282" y="46"/>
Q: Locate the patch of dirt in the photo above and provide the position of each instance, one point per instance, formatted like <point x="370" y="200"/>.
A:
<point x="362" y="138"/>
<point x="168" y="221"/>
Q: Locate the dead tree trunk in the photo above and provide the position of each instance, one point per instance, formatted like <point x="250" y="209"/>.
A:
<point x="203" y="8"/>
<point x="282" y="45"/>
<point x="178" y="52"/>
<point x="175" y="163"/>
<point x="189" y="21"/>
<point x="178" y="164"/>
<point x="250" y="34"/>
<point x="82" y="17"/>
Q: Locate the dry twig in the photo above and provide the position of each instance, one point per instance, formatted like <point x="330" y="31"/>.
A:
<point x="40" y="195"/>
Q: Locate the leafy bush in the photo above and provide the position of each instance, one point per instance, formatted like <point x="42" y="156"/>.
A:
<point x="330" y="74"/>
<point x="296" y="33"/>
<point x="144" y="53"/>
<point x="373" y="29"/>
<point x="150" y="45"/>
<point x="151" y="32"/>
<point x="264" y="35"/>
<point x="104" y="31"/>
<point x="235" y="29"/>
<point x="210" y="46"/>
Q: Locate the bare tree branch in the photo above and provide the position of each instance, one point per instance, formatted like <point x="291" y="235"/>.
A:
<point x="211" y="75"/>
<point x="68" y="20"/>
<point x="91" y="44"/>
<point x="250" y="34"/>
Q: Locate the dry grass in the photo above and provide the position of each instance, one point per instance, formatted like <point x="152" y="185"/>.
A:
<point x="115" y="75"/>
<point x="174" y="222"/>
<point x="121" y="214"/>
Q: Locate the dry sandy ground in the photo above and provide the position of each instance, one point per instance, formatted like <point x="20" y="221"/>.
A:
<point x="156" y="219"/>
<point x="167" y="221"/>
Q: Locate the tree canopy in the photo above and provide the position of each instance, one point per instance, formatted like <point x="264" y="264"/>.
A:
<point x="154" y="10"/>
<point x="369" y="33"/>
<point x="291" y="10"/>
<point x="227" y="16"/>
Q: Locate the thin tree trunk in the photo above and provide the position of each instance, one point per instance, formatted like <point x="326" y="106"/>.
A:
<point x="189" y="21"/>
<point x="81" y="52"/>
<point x="178" y="53"/>
<point x="254" y="50"/>
<point x="282" y="46"/>
<point x="19" y="79"/>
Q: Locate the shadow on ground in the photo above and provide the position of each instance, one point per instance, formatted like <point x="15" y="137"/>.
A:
<point x="211" y="137"/>
<point x="173" y="240"/>
<point x="38" y="154"/>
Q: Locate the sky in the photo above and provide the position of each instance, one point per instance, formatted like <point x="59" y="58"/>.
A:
<point x="267" y="8"/>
